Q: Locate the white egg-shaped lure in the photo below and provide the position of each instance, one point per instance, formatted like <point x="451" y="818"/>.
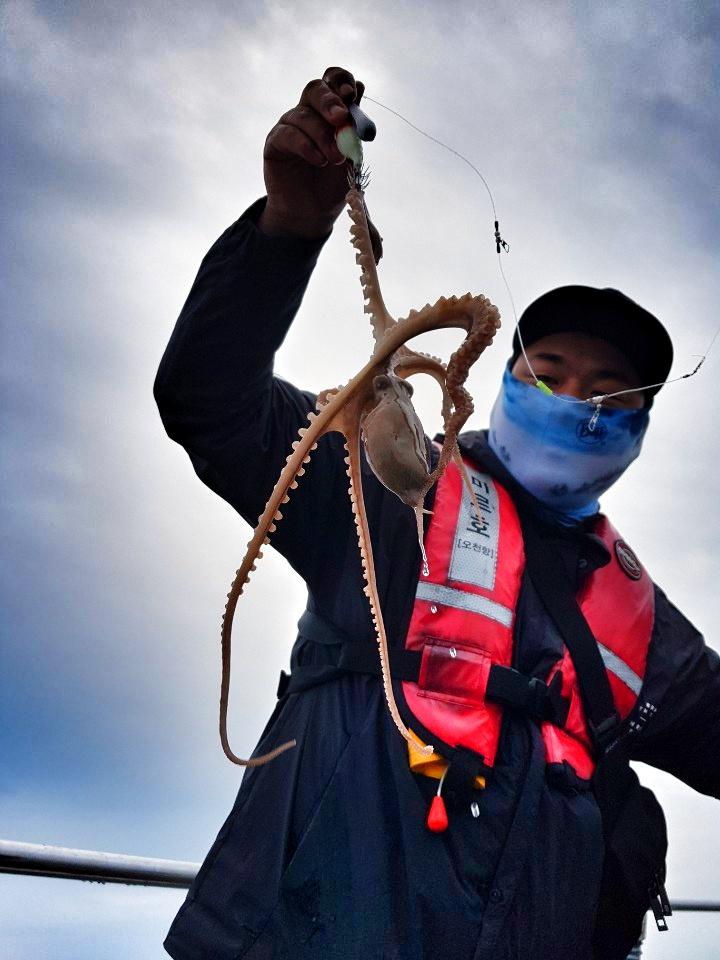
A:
<point x="349" y="144"/>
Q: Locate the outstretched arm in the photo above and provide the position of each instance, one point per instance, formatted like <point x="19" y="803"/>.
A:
<point x="684" y="736"/>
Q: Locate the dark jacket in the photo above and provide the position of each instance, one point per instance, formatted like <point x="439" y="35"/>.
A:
<point x="325" y="853"/>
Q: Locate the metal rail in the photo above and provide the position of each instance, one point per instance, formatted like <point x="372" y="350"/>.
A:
<point x="701" y="906"/>
<point x="44" y="860"/>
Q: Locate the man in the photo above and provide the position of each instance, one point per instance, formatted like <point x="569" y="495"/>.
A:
<point x="327" y="852"/>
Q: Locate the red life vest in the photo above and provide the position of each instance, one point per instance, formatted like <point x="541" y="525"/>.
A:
<point x="464" y="613"/>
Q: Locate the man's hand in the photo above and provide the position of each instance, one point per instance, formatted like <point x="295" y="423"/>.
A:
<point x="305" y="173"/>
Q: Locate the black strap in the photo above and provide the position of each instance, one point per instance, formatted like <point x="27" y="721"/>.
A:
<point x="553" y="586"/>
<point x="353" y="658"/>
<point x="364" y="658"/>
<point x="530" y="695"/>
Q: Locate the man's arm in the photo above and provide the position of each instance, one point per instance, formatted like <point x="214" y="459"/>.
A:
<point x="684" y="682"/>
<point x="215" y="386"/>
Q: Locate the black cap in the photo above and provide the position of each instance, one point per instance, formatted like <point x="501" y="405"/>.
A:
<point x="607" y="314"/>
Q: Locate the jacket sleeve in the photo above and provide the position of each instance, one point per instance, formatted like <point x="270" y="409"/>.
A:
<point x="683" y="682"/>
<point x="218" y="397"/>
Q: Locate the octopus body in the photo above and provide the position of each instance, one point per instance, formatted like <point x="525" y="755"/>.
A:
<point x="375" y="410"/>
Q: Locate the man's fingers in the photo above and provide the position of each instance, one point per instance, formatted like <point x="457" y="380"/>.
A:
<point x="330" y="96"/>
<point x="317" y="129"/>
<point x="342" y="82"/>
<point x="289" y="141"/>
<point x="319" y="97"/>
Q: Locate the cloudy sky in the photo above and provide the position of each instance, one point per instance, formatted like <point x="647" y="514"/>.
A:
<point x="133" y="135"/>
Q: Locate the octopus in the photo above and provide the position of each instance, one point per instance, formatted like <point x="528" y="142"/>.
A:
<point x="374" y="413"/>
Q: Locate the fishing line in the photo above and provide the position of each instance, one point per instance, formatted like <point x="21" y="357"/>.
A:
<point x="441" y="144"/>
<point x="501" y="246"/>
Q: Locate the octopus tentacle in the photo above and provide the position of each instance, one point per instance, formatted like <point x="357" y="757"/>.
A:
<point x="480" y="319"/>
<point x="414" y="363"/>
<point x="336" y="405"/>
<point x="457" y="371"/>
<point x="360" y="235"/>
<point x="267" y="523"/>
<point x="476" y="315"/>
<point x="352" y="461"/>
<point x="460" y="464"/>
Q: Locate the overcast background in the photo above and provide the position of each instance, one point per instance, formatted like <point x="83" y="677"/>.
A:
<point x="133" y="136"/>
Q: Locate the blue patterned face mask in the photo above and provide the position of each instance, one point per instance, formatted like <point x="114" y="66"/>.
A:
<point x="549" y="449"/>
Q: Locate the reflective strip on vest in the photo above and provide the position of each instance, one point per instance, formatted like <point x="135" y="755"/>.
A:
<point x="622" y="671"/>
<point x="459" y="600"/>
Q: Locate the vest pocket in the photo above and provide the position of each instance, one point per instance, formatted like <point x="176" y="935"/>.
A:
<point x="453" y="672"/>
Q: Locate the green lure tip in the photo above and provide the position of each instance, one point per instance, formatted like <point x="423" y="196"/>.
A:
<point x="543" y="388"/>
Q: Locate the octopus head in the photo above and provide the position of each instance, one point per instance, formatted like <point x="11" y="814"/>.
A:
<point x="394" y="439"/>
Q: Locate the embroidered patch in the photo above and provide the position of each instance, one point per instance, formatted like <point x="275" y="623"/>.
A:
<point x="475" y="547"/>
<point x="629" y="563"/>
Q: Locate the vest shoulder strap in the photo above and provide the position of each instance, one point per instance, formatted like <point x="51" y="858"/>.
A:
<point x="550" y="579"/>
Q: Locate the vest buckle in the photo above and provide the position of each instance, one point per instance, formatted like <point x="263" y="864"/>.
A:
<point x="529" y="695"/>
